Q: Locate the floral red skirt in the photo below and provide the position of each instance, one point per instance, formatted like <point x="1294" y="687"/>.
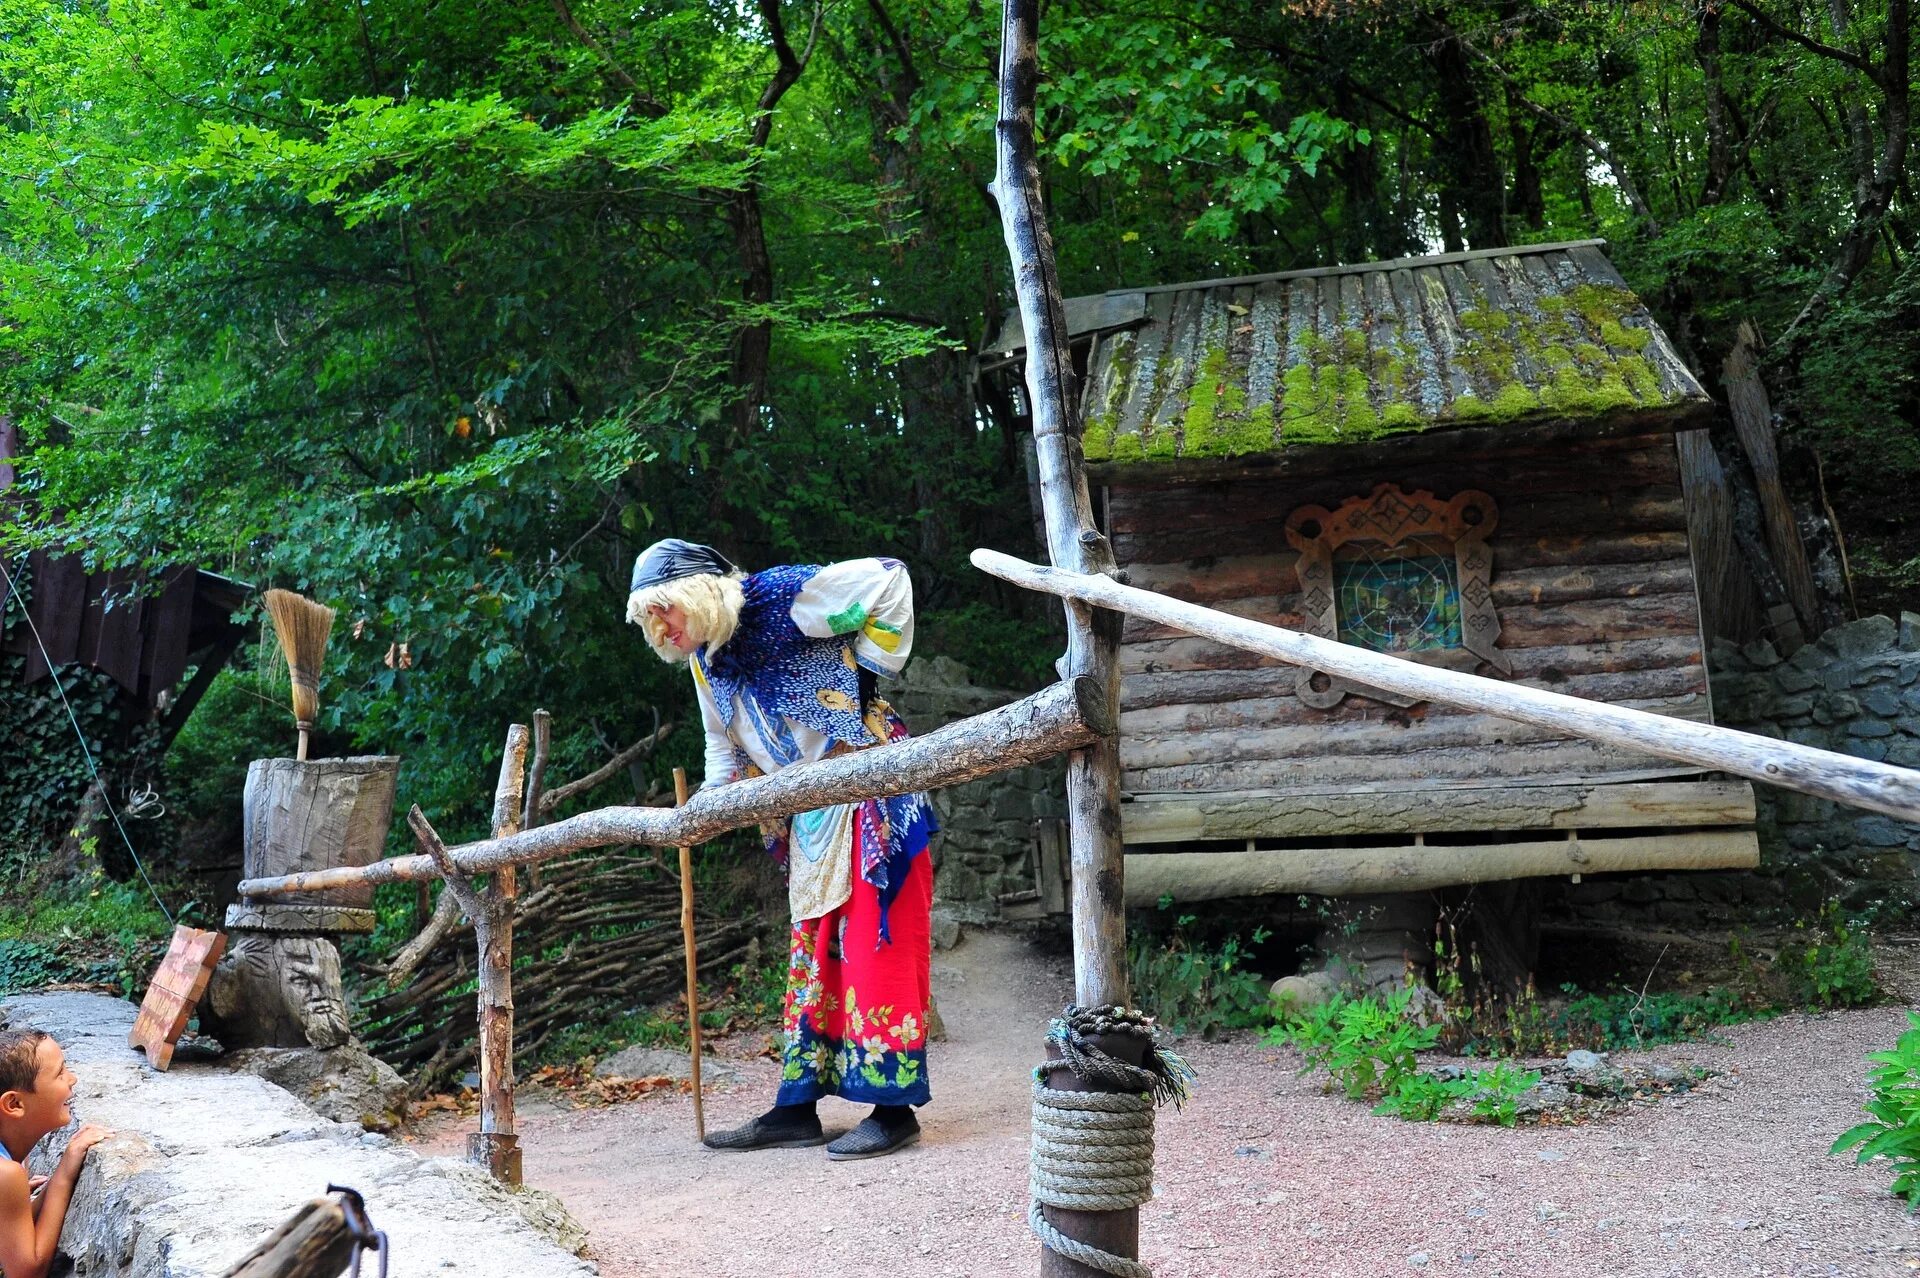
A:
<point x="859" y="984"/>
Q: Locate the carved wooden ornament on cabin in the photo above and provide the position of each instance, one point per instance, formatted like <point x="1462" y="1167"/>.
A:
<point x="1406" y="574"/>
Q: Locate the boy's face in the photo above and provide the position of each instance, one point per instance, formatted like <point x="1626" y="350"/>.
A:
<point x="45" y="1107"/>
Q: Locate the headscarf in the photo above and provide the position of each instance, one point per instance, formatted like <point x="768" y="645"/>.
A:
<point x="672" y="559"/>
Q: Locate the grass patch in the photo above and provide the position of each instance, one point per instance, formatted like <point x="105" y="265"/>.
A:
<point x="91" y="932"/>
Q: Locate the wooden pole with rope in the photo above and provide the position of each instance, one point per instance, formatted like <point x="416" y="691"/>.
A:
<point x="693" y="963"/>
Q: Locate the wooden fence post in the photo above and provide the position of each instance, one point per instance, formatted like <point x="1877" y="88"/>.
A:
<point x="495" y="1146"/>
<point x="1076" y="543"/>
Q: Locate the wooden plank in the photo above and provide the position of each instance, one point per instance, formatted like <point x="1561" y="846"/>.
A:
<point x="1137" y="406"/>
<point x="1050" y="863"/>
<point x="1282" y="710"/>
<point x="1337" y="871"/>
<point x="1565" y="760"/>
<point x="1382" y="735"/>
<point x="1238" y="576"/>
<point x="1193" y="818"/>
<point x="1138" y="509"/>
<point x="1601" y="621"/>
<point x="175" y="991"/>
<point x="1084" y="315"/>
<point x="1271" y="678"/>
<point x="1651" y="509"/>
<point x="1753" y="421"/>
<point x="1256" y="583"/>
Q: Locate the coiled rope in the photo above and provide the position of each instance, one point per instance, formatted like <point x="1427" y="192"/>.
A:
<point x="1093" y="1151"/>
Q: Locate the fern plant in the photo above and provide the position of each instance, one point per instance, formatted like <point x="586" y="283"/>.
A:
<point x="1893" y="1131"/>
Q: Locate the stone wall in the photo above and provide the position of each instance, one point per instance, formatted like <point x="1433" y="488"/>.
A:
<point x="985" y="851"/>
<point x="1857" y="691"/>
<point x="206" y="1159"/>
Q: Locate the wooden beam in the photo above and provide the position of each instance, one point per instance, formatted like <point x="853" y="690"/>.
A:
<point x="1058" y="718"/>
<point x="1325" y="871"/>
<point x="1753" y="422"/>
<point x="1183" y="818"/>
<point x="1859" y="783"/>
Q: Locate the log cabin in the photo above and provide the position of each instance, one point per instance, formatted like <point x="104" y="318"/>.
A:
<point x="1469" y="460"/>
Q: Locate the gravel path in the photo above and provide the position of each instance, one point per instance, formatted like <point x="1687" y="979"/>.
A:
<point x="1261" y="1175"/>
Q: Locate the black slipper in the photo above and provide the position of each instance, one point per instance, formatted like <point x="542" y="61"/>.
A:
<point x="873" y="1138"/>
<point x="766" y="1133"/>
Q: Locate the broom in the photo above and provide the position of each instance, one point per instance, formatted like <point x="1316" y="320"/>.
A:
<point x="302" y="627"/>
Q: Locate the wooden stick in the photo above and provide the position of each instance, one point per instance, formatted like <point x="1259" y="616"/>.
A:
<point x="693" y="963"/>
<point x="1859" y="783"/>
<point x="1073" y="540"/>
<point x="496" y="1146"/>
<point x="1056" y="719"/>
<point x="532" y="812"/>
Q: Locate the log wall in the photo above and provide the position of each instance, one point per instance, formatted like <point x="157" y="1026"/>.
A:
<point x="1592" y="578"/>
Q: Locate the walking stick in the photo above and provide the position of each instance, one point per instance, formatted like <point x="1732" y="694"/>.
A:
<point x="693" y="966"/>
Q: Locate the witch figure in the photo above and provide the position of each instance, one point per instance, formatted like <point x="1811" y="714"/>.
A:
<point x="784" y="665"/>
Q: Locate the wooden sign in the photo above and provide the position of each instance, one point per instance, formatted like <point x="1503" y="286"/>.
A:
<point x="175" y="992"/>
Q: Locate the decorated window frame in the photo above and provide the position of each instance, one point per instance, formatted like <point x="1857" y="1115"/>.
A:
<point x="1405" y="574"/>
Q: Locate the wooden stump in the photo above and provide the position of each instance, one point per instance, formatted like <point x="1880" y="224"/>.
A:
<point x="314" y="1242"/>
<point x="316" y="814"/>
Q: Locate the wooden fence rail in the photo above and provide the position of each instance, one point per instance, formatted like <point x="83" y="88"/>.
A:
<point x="1860" y="783"/>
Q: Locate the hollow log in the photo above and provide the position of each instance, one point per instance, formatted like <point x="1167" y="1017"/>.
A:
<point x="1860" y="783"/>
<point x="1056" y="719"/>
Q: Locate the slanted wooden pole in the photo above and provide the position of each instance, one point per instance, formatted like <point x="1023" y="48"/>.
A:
<point x="1860" y="783"/>
<point x="1073" y="542"/>
<point x="693" y="963"/>
<point x="531" y="811"/>
<point x="1052" y="721"/>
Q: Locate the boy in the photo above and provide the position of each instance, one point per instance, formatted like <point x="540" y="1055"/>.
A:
<point x="35" y="1086"/>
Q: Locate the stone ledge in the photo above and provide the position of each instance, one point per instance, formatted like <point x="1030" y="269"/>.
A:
<point x="207" y="1160"/>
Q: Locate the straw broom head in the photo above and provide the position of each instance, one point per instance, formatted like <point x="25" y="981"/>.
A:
<point x="302" y="627"/>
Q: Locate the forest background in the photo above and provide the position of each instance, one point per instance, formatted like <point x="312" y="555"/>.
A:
<point x="439" y="310"/>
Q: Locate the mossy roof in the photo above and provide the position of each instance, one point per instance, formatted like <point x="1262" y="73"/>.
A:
<point x="1226" y="368"/>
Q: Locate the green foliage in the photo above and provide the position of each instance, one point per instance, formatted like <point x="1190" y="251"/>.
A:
<point x="1829" y="962"/>
<point x="1365" y="1045"/>
<point x="1632" y="1019"/>
<point x="1893" y="1129"/>
<point x="1197" y="987"/>
<point x="46" y="772"/>
<point x="93" y="932"/>
<point x="1367" y="1048"/>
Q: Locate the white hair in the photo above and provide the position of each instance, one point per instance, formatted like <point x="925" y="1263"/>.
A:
<point x="712" y="604"/>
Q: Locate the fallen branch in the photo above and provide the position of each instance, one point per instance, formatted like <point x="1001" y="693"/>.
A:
<point x="1061" y="717"/>
<point x="560" y="794"/>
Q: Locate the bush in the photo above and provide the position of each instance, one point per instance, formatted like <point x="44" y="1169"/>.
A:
<point x="1893" y="1132"/>
<point x="1830" y="962"/>
<point x="1368" y="1048"/>
<point x="1193" y="987"/>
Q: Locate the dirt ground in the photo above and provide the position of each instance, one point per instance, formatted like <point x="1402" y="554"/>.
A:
<point x="1261" y="1175"/>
